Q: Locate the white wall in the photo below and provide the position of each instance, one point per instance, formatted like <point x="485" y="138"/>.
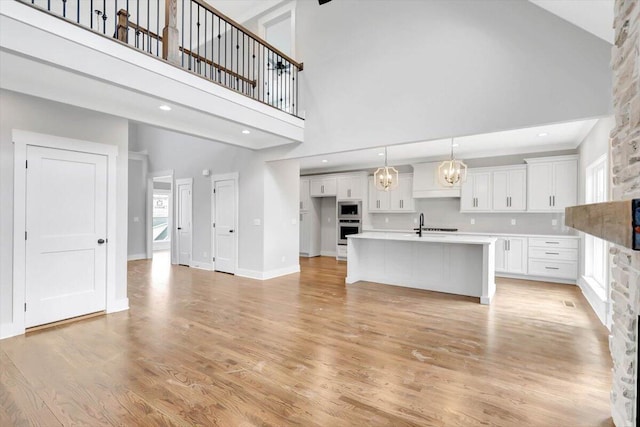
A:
<point x="422" y="70"/>
<point x="281" y="208"/>
<point x="137" y="208"/>
<point x="38" y="115"/>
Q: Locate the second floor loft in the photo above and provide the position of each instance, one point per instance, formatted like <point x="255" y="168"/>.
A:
<point x="195" y="36"/>
<point x="119" y="68"/>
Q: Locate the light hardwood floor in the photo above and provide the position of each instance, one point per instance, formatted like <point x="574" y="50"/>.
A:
<point x="202" y="348"/>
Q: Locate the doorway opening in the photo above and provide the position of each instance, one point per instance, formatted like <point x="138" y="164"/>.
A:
<point x="161" y="218"/>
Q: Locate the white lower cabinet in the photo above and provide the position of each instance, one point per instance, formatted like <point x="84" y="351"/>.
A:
<point x="511" y="254"/>
<point x="554" y="257"/>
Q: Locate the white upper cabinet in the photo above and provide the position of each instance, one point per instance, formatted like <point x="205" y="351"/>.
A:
<point x="323" y="186"/>
<point x="426" y="183"/>
<point x="475" y="195"/>
<point x="305" y="195"/>
<point x="552" y="183"/>
<point x="397" y="200"/>
<point x="509" y="189"/>
<point x="352" y="187"/>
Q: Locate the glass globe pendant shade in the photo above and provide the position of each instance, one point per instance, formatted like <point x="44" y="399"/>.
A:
<point x="386" y="178"/>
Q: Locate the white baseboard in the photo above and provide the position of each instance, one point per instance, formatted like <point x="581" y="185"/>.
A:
<point x="8" y="330"/>
<point x="536" y="278"/>
<point x="266" y="275"/>
<point x="202" y="265"/>
<point x="118" y="305"/>
<point x="596" y="302"/>
<point x="135" y="257"/>
<point x="328" y="253"/>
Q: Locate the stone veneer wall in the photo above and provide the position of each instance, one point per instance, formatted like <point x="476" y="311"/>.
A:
<point x="625" y="172"/>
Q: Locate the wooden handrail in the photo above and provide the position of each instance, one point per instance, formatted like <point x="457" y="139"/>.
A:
<point x="204" y="4"/>
<point x="219" y="67"/>
<point x="187" y="51"/>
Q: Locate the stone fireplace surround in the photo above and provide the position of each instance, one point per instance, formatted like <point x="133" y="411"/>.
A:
<point x="625" y="172"/>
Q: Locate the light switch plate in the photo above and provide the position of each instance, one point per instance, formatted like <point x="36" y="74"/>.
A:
<point x="513" y="221"/>
<point x="136" y="219"/>
<point x="386" y="219"/>
<point x="256" y="221"/>
<point x="554" y="222"/>
<point x="473" y="221"/>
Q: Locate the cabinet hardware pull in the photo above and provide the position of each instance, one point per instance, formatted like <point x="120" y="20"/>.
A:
<point x="508" y="245"/>
<point x="554" y="200"/>
<point x="552" y="253"/>
<point x="552" y="268"/>
<point x="550" y="201"/>
<point x="553" y="243"/>
<point x="322" y="189"/>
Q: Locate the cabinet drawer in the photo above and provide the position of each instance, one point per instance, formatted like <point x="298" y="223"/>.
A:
<point x="559" y="269"/>
<point x="553" y="242"/>
<point x="552" y="254"/>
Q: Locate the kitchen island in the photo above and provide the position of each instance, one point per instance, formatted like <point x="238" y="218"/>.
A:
<point x="454" y="264"/>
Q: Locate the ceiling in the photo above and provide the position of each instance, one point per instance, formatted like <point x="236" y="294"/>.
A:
<point x="594" y="16"/>
<point x="243" y="10"/>
<point x="562" y="136"/>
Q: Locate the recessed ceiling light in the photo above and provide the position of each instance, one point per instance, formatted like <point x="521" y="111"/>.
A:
<point x="165" y="108"/>
<point x="543" y="134"/>
<point x="381" y="154"/>
<point x="324" y="160"/>
<point x="455" y="145"/>
<point x="246" y="131"/>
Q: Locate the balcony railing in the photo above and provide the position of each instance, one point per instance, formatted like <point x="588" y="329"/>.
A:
<point x="197" y="37"/>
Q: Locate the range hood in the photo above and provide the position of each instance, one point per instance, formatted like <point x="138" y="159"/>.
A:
<point x="427" y="185"/>
<point x="616" y="222"/>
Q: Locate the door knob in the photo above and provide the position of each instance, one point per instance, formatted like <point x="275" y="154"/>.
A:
<point x="179" y="228"/>
<point x="100" y="241"/>
<point x="230" y="231"/>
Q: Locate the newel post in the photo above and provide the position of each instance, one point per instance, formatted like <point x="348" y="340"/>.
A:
<point x="123" y="26"/>
<point x="170" y="34"/>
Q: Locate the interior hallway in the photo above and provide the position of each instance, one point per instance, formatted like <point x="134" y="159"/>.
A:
<point x="203" y="348"/>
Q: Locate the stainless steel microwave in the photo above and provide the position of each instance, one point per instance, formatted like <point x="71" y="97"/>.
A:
<point x="349" y="210"/>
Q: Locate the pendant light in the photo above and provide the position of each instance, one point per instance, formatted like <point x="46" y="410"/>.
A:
<point x="386" y="178"/>
<point x="452" y="172"/>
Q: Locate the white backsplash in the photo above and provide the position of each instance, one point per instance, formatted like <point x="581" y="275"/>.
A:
<point x="445" y="212"/>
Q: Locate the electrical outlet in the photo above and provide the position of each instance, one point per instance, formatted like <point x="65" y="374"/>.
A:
<point x="513" y="221"/>
<point x="554" y="222"/>
<point x="329" y="219"/>
<point x="386" y="219"/>
<point x="473" y="221"/>
<point x="204" y="255"/>
<point x="415" y="220"/>
<point x="256" y="221"/>
<point x="136" y="219"/>
<point x="283" y="258"/>
<point x="294" y="221"/>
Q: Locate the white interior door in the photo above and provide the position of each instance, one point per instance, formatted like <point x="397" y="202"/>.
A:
<point x="184" y="220"/>
<point x="66" y="242"/>
<point x="225" y="225"/>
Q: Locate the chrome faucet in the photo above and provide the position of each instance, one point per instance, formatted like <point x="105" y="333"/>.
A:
<point x="420" y="225"/>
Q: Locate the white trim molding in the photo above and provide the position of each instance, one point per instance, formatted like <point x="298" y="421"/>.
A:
<point x="21" y="139"/>
<point x="266" y="275"/>
<point x="596" y="298"/>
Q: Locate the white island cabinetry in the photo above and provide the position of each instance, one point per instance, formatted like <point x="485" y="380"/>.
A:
<point x="462" y="265"/>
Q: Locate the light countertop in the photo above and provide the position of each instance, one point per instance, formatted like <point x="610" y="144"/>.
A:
<point x="426" y="238"/>
<point x="470" y="233"/>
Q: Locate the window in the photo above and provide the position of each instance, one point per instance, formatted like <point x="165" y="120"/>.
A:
<point x="596" y="250"/>
<point x="161" y="217"/>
